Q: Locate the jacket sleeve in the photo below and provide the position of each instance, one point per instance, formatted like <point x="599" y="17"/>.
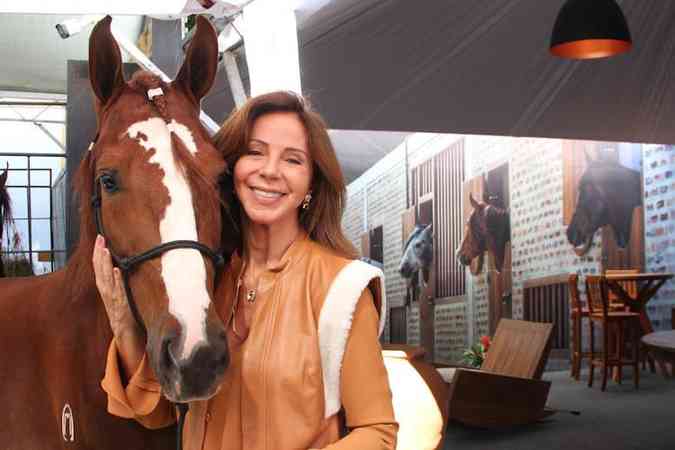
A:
<point x="141" y="399"/>
<point x="364" y="386"/>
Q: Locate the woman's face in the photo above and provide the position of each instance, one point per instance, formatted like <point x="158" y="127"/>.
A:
<point x="275" y="172"/>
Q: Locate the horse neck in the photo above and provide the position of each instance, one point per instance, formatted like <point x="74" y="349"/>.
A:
<point x="499" y="227"/>
<point x="80" y="283"/>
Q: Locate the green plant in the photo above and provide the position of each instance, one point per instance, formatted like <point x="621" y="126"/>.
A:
<point x="475" y="355"/>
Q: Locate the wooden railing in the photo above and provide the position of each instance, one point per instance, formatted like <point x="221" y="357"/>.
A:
<point x="547" y="300"/>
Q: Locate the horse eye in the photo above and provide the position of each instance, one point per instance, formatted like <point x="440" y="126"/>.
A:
<point x="109" y="182"/>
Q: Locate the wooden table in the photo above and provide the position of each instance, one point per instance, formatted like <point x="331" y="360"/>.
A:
<point x="648" y="285"/>
<point x="662" y="345"/>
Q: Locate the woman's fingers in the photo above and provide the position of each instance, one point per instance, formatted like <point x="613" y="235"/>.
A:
<point x="97" y="262"/>
<point x="118" y="285"/>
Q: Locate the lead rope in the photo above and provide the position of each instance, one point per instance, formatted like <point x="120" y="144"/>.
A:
<point x="182" y="412"/>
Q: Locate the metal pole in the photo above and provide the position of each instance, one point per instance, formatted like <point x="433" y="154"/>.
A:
<point x="51" y="222"/>
<point x="9" y="119"/>
<point x="27" y="103"/>
<point x="29" y="219"/>
<point x="50" y="135"/>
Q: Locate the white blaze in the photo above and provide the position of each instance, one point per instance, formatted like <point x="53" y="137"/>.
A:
<point x="183" y="270"/>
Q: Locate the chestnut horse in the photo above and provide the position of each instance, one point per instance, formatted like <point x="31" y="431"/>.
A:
<point x="488" y="228"/>
<point x="608" y="194"/>
<point x="5" y="212"/>
<point x="152" y="176"/>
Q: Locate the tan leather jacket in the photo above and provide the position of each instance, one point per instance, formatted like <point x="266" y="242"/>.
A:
<point x="274" y="395"/>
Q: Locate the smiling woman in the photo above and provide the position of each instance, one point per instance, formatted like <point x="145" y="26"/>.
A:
<point x="302" y="317"/>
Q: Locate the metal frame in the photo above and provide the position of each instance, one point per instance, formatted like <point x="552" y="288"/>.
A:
<point x="28" y="187"/>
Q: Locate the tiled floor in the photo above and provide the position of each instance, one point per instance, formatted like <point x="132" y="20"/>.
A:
<point x="618" y="419"/>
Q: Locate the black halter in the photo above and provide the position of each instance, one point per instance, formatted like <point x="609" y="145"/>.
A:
<point x="129" y="263"/>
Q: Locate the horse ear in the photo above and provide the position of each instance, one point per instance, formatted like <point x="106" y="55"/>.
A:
<point x="3" y="176"/>
<point x="105" y="61"/>
<point x="198" y="71"/>
<point x="474" y="203"/>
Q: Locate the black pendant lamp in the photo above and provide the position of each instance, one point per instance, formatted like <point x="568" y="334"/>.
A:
<point x="588" y="29"/>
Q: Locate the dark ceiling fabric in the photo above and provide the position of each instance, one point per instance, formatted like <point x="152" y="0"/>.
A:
<point x="483" y="67"/>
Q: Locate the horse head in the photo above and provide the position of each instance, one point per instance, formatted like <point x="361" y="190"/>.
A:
<point x="418" y="251"/>
<point x="488" y="228"/>
<point x="608" y="193"/>
<point x="152" y="175"/>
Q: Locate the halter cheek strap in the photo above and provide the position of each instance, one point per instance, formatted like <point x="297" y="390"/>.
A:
<point x="128" y="264"/>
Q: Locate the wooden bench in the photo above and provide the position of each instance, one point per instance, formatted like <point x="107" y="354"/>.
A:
<point x="508" y="389"/>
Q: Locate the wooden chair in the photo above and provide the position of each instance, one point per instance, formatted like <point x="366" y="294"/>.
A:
<point x="631" y="289"/>
<point x="507" y="390"/>
<point x="611" y="322"/>
<point x="578" y="313"/>
<point x="629" y="286"/>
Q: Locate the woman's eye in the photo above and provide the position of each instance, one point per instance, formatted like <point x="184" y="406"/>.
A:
<point x="252" y="151"/>
<point x="294" y="161"/>
<point x="109" y="183"/>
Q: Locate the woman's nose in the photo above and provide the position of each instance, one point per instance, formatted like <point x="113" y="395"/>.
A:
<point x="271" y="167"/>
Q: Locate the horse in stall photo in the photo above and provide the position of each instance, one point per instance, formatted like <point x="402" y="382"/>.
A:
<point x="149" y="184"/>
<point x="5" y="212"/>
<point x="418" y="253"/>
<point x="488" y="228"/>
<point x="608" y="194"/>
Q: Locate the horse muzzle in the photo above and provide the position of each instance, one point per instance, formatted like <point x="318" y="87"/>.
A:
<point x="196" y="376"/>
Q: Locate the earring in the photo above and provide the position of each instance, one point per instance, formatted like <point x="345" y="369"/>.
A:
<point x="308" y="198"/>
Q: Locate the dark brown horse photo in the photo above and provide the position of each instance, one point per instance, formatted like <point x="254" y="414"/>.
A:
<point x="149" y="183"/>
<point x="488" y="228"/>
<point x="608" y="194"/>
<point x="5" y="212"/>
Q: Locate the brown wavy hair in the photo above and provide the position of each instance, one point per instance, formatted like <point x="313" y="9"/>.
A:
<point x="322" y="220"/>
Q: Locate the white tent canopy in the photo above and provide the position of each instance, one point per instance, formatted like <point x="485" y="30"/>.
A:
<point x="441" y="66"/>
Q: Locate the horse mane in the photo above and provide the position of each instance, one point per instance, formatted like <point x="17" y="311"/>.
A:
<point x="5" y="209"/>
<point x="498" y="223"/>
<point x="80" y="271"/>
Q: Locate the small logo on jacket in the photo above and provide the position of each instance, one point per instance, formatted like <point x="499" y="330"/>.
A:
<point x="67" y="424"/>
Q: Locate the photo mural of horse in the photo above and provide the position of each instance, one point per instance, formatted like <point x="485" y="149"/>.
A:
<point x="488" y="228"/>
<point x="418" y="251"/>
<point x="5" y="212"/>
<point x="608" y="194"/>
<point x="151" y="175"/>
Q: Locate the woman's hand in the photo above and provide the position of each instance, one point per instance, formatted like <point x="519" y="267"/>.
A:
<point x="128" y="336"/>
<point x="111" y="287"/>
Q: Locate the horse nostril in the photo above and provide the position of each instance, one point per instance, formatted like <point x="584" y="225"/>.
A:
<point x="168" y="358"/>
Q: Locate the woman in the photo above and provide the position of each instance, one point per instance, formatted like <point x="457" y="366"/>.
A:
<point x="302" y="325"/>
